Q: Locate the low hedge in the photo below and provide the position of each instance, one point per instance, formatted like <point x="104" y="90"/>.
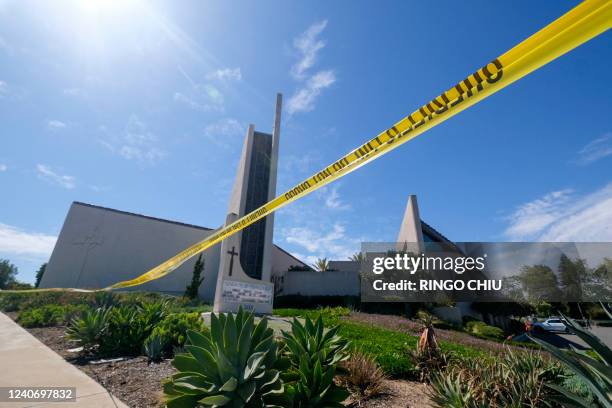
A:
<point x="483" y="330"/>
<point x="331" y="315"/>
<point x="49" y="315"/>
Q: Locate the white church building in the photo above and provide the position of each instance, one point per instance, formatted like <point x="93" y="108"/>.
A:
<point x="99" y="246"/>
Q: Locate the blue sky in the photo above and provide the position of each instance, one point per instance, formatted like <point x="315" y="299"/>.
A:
<point x="143" y="106"/>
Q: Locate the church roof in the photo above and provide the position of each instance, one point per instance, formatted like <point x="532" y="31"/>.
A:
<point x="433" y="232"/>
<point x="142" y="216"/>
<point x="168" y="221"/>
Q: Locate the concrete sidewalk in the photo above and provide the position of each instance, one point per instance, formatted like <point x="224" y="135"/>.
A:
<point x="26" y="362"/>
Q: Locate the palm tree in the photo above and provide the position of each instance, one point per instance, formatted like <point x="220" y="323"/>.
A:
<point x="321" y="265"/>
<point x="357" y="257"/>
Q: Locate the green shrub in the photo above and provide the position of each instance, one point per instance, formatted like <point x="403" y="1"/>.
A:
<point x="483" y="330"/>
<point x="515" y="379"/>
<point x="13" y="302"/>
<point x="88" y="329"/>
<point x="10" y="302"/>
<point x="232" y="365"/>
<point x="330" y="315"/>
<point x="49" y="315"/>
<point x="314" y="354"/>
<point x="172" y="330"/>
<point x="104" y="300"/>
<point x="153" y="312"/>
<point x="128" y="327"/>
<point x="154" y="347"/>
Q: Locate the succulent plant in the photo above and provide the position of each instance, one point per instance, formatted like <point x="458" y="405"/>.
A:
<point x="88" y="329"/>
<point x="230" y="366"/>
<point x="314" y="353"/>
<point x="154" y="347"/>
<point x="595" y="372"/>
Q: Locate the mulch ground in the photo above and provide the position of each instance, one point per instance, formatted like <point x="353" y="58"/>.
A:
<point x="138" y="383"/>
<point x="132" y="380"/>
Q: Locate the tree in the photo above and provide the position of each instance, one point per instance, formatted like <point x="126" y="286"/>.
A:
<point x="321" y="265"/>
<point x="39" y="274"/>
<point x="357" y="257"/>
<point x="540" y="283"/>
<point x="8" y="271"/>
<point x="570" y="276"/>
<point x="191" y="291"/>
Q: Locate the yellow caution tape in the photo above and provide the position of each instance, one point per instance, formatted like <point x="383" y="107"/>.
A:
<point x="585" y="21"/>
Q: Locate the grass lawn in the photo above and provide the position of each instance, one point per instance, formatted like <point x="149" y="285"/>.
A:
<point x="390" y="348"/>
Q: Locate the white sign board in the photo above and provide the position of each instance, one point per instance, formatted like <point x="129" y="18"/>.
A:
<point x="246" y="292"/>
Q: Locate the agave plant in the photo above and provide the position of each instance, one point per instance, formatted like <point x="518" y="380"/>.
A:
<point x="596" y="373"/>
<point x="88" y="329"/>
<point x="511" y="380"/>
<point x="154" y="347"/>
<point x="127" y="330"/>
<point x="230" y="366"/>
<point x="153" y="312"/>
<point x="314" y="353"/>
<point x="104" y="300"/>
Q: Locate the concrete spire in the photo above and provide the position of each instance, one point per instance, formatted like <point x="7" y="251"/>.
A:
<point x="410" y="236"/>
<point x="267" y="255"/>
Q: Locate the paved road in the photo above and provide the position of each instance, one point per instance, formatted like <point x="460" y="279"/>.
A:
<point x="26" y="362"/>
<point x="565" y="340"/>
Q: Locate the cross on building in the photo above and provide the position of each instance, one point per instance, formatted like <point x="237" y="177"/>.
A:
<point x="232" y="253"/>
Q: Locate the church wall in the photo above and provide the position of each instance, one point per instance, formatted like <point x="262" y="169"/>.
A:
<point x="98" y="247"/>
<point x="310" y="283"/>
<point x="281" y="261"/>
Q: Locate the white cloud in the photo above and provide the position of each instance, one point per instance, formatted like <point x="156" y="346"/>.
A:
<point x="596" y="149"/>
<point x="332" y="198"/>
<point x="203" y="98"/>
<point x="3" y="89"/>
<point x="303" y="100"/>
<point x="3" y="167"/>
<point x="564" y="216"/>
<point x="62" y="180"/>
<point x="224" y="132"/>
<point x="226" y="74"/>
<point x="14" y="240"/>
<point x="135" y="143"/>
<point x="300" y="164"/>
<point x="308" y="46"/>
<point x="334" y="244"/>
<point x="54" y="124"/>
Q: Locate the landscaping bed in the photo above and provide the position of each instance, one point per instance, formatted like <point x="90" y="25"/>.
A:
<point x="137" y="382"/>
<point x="133" y="380"/>
<point x="131" y="344"/>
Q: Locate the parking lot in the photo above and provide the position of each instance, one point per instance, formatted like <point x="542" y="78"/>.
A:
<point x="565" y="340"/>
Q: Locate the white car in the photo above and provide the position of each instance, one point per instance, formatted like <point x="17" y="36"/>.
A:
<point x="550" y="325"/>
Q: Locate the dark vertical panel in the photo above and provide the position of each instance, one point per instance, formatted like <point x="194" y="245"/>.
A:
<point x="253" y="237"/>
